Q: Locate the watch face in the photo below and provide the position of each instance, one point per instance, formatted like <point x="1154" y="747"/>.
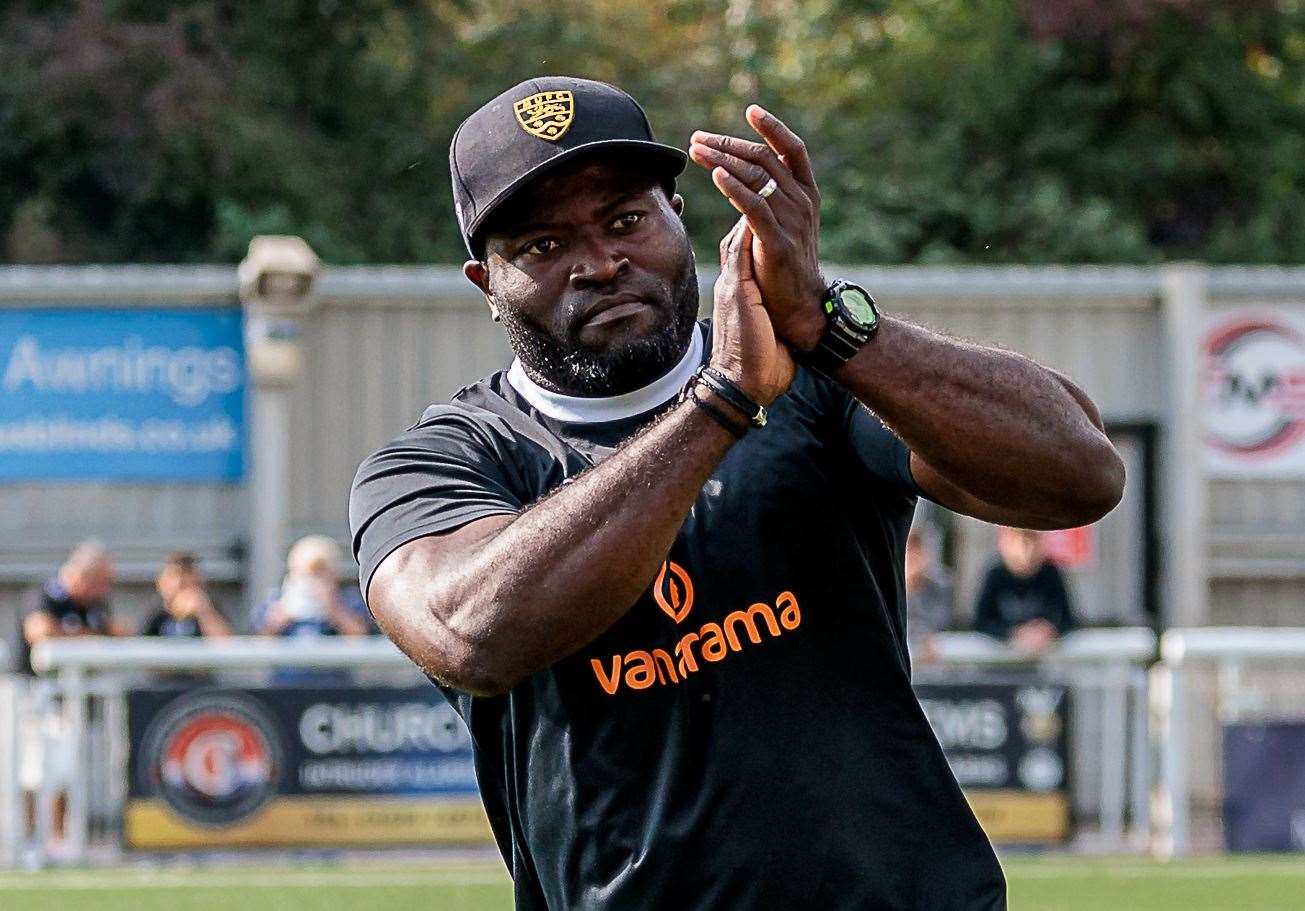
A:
<point x="857" y="306"/>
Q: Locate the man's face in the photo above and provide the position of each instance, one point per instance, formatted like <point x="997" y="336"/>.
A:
<point x="593" y="277"/>
<point x="172" y="580"/>
<point x="91" y="584"/>
<point x="1020" y="550"/>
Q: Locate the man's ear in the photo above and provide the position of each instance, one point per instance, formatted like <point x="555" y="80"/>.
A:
<point x="677" y="203"/>
<point x="478" y="275"/>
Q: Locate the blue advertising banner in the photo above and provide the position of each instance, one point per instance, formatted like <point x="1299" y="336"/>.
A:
<point x="126" y="395"/>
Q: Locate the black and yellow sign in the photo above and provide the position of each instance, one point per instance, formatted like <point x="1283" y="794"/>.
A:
<point x="1007" y="743"/>
<point x="299" y="766"/>
<point x="290" y="821"/>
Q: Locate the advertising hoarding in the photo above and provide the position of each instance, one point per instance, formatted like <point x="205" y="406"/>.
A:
<point x="1007" y="743"/>
<point x="143" y="394"/>
<point x="1264" y="786"/>
<point x="1253" y="393"/>
<point x="299" y="766"/>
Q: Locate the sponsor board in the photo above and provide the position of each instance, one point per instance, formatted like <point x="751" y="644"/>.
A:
<point x="1007" y="743"/>
<point x="1253" y="393"/>
<point x="122" y="395"/>
<point x="299" y="766"/>
<point x="1264" y="786"/>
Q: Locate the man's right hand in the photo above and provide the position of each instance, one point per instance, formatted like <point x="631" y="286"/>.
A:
<point x="744" y="345"/>
<point x="485" y="605"/>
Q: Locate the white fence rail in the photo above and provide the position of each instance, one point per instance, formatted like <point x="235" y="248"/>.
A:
<point x="1108" y="665"/>
<point x="1110" y="748"/>
<point x="67" y="657"/>
<point x="1090" y="647"/>
<point x="83" y="669"/>
<point x="1228" y="650"/>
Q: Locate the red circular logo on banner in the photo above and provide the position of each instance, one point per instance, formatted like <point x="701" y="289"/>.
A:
<point x="214" y="758"/>
<point x="1254" y="377"/>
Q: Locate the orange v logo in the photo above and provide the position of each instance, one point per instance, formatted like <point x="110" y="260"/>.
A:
<point x="673" y="591"/>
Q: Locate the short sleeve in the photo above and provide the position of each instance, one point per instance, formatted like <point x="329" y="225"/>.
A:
<point x="438" y="476"/>
<point x="875" y="449"/>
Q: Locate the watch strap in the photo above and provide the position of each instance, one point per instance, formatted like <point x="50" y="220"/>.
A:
<point x="832" y="351"/>
<point x="840" y="341"/>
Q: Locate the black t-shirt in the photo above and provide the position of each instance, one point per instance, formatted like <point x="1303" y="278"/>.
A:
<point x="1007" y="600"/>
<point x="162" y="623"/>
<point x="745" y="737"/>
<point x="70" y="616"/>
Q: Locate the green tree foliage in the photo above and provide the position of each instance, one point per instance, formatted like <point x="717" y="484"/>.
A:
<point x="942" y="130"/>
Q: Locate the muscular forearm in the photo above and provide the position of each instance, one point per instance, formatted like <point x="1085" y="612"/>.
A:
<point x="571" y="565"/>
<point x="992" y="433"/>
<point x="992" y="423"/>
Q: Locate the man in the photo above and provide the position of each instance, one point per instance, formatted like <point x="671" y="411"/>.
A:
<point x="184" y="609"/>
<point x="310" y="604"/>
<point x="73" y="602"/>
<point x="309" y="601"/>
<point x="928" y="595"/>
<point x="677" y="636"/>
<point x="1023" y="598"/>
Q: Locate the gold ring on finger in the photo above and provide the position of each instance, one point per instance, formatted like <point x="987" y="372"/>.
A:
<point x="769" y="188"/>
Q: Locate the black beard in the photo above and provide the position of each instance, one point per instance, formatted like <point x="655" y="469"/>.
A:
<point x="565" y="366"/>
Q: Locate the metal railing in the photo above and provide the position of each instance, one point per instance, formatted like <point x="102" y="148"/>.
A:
<point x="1108" y="663"/>
<point x="94" y="669"/>
<point x="1228" y="650"/>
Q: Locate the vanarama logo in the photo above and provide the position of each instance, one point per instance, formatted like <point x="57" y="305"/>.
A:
<point x="673" y="591"/>
<point x="712" y="642"/>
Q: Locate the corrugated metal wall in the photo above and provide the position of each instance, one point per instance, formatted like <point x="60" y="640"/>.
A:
<point x="377" y="351"/>
<point x="382" y="343"/>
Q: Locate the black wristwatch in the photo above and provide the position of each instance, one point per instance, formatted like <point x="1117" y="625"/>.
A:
<point x="851" y="318"/>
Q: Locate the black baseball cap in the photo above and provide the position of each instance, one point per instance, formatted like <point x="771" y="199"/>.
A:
<point x="536" y="126"/>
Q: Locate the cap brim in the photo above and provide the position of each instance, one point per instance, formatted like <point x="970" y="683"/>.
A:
<point x="673" y="159"/>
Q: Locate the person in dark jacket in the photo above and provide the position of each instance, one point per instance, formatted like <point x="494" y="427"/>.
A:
<point x="72" y="602"/>
<point x="928" y="595"/>
<point x="1024" y="599"/>
<point x="184" y="609"/>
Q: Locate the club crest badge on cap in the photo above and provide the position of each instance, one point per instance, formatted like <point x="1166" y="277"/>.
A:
<point x="546" y="114"/>
<point x="521" y="134"/>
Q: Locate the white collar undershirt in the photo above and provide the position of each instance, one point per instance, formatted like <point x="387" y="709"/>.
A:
<point x="574" y="409"/>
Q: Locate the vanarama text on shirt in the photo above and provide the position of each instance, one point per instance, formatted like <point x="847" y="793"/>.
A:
<point x="673" y="592"/>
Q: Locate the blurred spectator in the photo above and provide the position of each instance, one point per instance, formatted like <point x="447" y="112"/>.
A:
<point x="928" y="594"/>
<point x="74" y="602"/>
<point x="1024" y="599"/>
<point x="184" y="609"/>
<point x="310" y="602"/>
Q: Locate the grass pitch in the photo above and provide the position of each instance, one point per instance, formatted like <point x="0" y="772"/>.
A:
<point x="1036" y="884"/>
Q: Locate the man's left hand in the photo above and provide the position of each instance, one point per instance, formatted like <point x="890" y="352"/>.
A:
<point x="785" y="224"/>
